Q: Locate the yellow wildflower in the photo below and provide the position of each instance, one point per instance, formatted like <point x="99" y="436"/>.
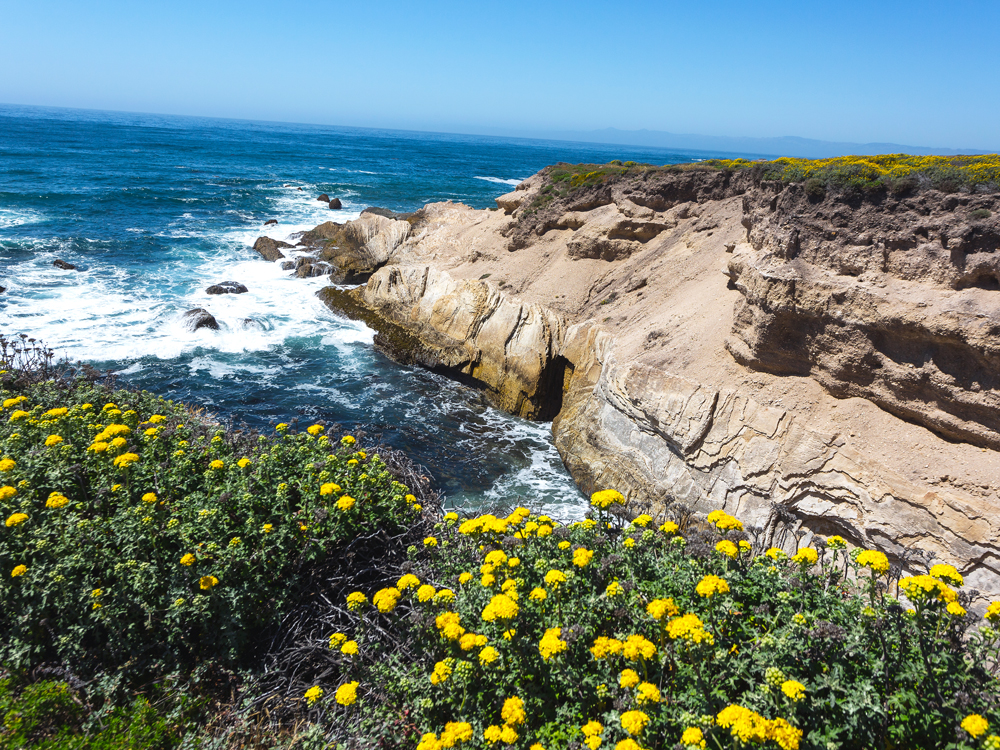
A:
<point x="7" y="464"/>
<point x="19" y="570"/>
<point x="647" y="693"/>
<point x="346" y="502"/>
<point x="628" y="678"/>
<point x="216" y="464"/>
<point x="430" y="541"/>
<point x="408" y="581"/>
<point x="637" y="647"/>
<point x="442" y="671"/>
<point x="125" y="460"/>
<point x="551" y="643"/>
<point x="350" y="648"/>
<point x="513" y="711"/>
<point x="313" y="694"/>
<point x="52" y="440"/>
<point x="329" y="488"/>
<point x="501" y="607"/>
<point x="793" y="689"/>
<point x="606" y="498"/>
<point x="426" y="592"/>
<point x="947" y="573"/>
<point x="243" y="462"/>
<point x="975" y="725"/>
<point x="875" y="560"/>
<point x="955" y="609"/>
<point x="488" y="655"/>
<point x="207" y="583"/>
<point x="604" y="647"/>
<point x="16" y="518"/>
<point x="554" y="578"/>
<point x="634" y="722"/>
<point x="660" y="607"/>
<point x="805" y="556"/>
<point x="465" y="578"/>
<point x="149" y="497"/>
<point x="56" y="500"/>
<point x="711" y="585"/>
<point x="727" y="548"/>
<point x="385" y="599"/>
<point x="689" y="628"/>
<point x="356" y="600"/>
<point x="836" y="542"/>
<point x="693" y="736"/>
<point x="347" y="693"/>
<point x="7" y="492"/>
<point x="188" y="559"/>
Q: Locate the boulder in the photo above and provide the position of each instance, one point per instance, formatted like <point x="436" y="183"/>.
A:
<point x="307" y="267"/>
<point x="58" y="263"/>
<point x="227" y="287"/>
<point x="335" y="203"/>
<point x="270" y="222"/>
<point x="199" y="317"/>
<point x="324" y="197"/>
<point x="387" y="213"/>
<point x="270" y="249"/>
<point x="300" y="188"/>
<point x="287" y="265"/>
<point x="3" y="289"/>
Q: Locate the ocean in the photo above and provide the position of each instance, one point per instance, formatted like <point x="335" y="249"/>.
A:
<point x="153" y="209"/>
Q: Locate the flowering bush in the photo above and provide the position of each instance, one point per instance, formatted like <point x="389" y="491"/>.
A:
<point x="147" y="540"/>
<point x="595" y="635"/>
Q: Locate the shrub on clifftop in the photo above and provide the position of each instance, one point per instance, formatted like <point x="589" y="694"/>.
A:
<point x="524" y="633"/>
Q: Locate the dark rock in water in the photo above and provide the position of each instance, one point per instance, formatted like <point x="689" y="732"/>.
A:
<point x="300" y="188"/>
<point x="387" y="213"/>
<point x="324" y="197"/>
<point x="58" y="263"/>
<point x="335" y="203"/>
<point x="227" y="287"/>
<point x="199" y="317"/>
<point x="3" y="289"/>
<point x="270" y="249"/>
<point x="269" y="222"/>
<point x="288" y="265"/>
<point x="308" y="267"/>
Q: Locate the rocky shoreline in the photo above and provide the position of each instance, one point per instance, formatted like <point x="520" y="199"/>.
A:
<point x="814" y="362"/>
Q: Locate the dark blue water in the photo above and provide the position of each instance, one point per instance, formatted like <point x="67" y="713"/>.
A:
<point x="153" y="209"/>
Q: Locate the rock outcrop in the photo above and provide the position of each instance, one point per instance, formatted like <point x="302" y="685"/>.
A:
<point x="270" y="249"/>
<point x="199" y="317"/>
<point x="60" y="263"/>
<point x="812" y="362"/>
<point x="227" y="287"/>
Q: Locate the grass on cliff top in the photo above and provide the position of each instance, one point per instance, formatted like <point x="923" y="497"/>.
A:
<point x="893" y="171"/>
<point x="898" y="173"/>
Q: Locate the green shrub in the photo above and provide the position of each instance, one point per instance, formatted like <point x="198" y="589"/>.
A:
<point x="141" y="539"/>
<point x="515" y="631"/>
<point x="980" y="213"/>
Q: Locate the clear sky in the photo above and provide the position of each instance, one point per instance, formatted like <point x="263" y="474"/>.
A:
<point x="916" y="72"/>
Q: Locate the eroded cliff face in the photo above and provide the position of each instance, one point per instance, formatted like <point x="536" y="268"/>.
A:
<point x="893" y="300"/>
<point x="725" y="343"/>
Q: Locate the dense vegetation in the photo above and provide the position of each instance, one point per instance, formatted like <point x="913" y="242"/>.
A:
<point x="897" y="173"/>
<point x="168" y="582"/>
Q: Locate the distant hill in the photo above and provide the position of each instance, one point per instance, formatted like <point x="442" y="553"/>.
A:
<point x="783" y="146"/>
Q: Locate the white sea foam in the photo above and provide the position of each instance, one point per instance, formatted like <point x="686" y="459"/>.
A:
<point x="10" y="217"/>
<point x="499" y="180"/>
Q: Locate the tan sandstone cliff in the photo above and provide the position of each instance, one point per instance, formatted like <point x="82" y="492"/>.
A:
<point x="826" y="365"/>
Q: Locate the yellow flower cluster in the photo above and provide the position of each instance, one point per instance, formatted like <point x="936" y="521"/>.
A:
<point x="455" y="732"/>
<point x="724" y="522"/>
<point x="748" y="726"/>
<point x="947" y="573"/>
<point x="501" y="607"/>
<point x="806" y="556"/>
<point x="711" y="585"/>
<point x="15" y="519"/>
<point x="385" y="599"/>
<point x="56" y="500"/>
<point x="347" y="693"/>
<point x="875" y="560"/>
<point x="552" y="644"/>
<point x="660" y="608"/>
<point x="604" y="499"/>
<point x="921" y="589"/>
<point x="690" y="628"/>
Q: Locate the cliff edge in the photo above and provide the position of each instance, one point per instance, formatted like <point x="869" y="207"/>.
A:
<point x="813" y="356"/>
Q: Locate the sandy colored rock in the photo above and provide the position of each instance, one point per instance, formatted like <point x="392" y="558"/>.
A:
<point x="712" y="351"/>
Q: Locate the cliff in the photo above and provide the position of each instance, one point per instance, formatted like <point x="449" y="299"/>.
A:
<point x="812" y="357"/>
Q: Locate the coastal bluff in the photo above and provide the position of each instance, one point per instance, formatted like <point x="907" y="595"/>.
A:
<point x="812" y="357"/>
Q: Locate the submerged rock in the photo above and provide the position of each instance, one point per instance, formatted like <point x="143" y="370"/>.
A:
<point x="270" y="249"/>
<point x="199" y="317"/>
<point x="227" y="287"/>
<point x="270" y="222"/>
<point x="335" y="203"/>
<point x="59" y="263"/>
<point x="324" y="197"/>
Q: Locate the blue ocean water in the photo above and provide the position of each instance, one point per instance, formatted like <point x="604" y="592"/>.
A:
<point x="153" y="209"/>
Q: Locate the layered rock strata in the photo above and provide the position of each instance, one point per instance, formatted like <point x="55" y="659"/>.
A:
<point x="804" y="362"/>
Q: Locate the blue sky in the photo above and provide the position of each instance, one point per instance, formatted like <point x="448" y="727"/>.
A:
<point x="917" y="73"/>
